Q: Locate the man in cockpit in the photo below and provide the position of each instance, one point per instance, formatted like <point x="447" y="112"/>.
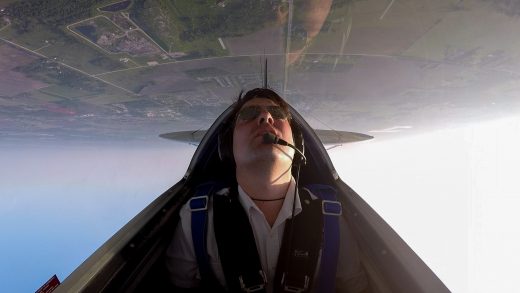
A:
<point x="261" y="254"/>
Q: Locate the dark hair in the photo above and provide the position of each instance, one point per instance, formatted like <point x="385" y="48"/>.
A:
<point x="263" y="93"/>
<point x="225" y="144"/>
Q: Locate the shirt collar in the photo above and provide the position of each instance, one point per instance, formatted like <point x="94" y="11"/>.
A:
<point x="287" y="206"/>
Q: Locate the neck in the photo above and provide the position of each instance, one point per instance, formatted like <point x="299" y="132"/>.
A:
<point x="264" y="186"/>
<point x="260" y="183"/>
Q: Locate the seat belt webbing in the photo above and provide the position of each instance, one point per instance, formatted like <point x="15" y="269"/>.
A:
<point x="331" y="209"/>
<point x="199" y="221"/>
<point x="300" y="249"/>
<point x="236" y="245"/>
<point x="241" y="263"/>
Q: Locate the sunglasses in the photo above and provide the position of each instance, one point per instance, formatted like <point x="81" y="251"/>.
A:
<point x="252" y="112"/>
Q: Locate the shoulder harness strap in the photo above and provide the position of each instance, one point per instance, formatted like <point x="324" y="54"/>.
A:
<point x="236" y="245"/>
<point x="300" y="248"/>
<point x="331" y="210"/>
<point x="199" y="222"/>
<point x="319" y="228"/>
<point x="315" y="228"/>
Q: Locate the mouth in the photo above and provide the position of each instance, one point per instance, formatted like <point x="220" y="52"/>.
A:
<point x="263" y="131"/>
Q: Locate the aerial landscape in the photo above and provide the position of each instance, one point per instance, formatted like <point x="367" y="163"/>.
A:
<point x="134" y="69"/>
<point x="89" y="89"/>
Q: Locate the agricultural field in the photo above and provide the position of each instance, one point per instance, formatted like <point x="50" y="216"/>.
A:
<point x="118" y="6"/>
<point x="324" y="63"/>
<point x="121" y="20"/>
<point x="109" y="99"/>
<point x="132" y="80"/>
<point x="13" y="81"/>
<point x="94" y="28"/>
<point x="44" y="98"/>
<point x="37" y="36"/>
<point x="471" y="45"/>
<point x="131" y="44"/>
<point x="54" y="43"/>
<point x="189" y="29"/>
<point x="66" y="92"/>
<point x="4" y="22"/>
<point x="156" y="21"/>
<point x="100" y="31"/>
<point x="50" y="37"/>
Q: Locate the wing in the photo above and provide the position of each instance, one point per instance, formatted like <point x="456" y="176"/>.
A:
<point x="327" y="137"/>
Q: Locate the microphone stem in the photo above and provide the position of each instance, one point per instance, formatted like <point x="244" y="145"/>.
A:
<point x="271" y="138"/>
<point x="299" y="152"/>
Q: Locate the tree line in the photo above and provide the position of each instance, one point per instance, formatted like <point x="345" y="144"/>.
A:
<point x="52" y="12"/>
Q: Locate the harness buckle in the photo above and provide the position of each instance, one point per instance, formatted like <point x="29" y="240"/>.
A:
<point x="255" y="287"/>
<point x="199" y="203"/>
<point x="331" y="207"/>
<point x="294" y="287"/>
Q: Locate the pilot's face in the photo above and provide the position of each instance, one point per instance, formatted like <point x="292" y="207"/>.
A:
<point x="256" y="117"/>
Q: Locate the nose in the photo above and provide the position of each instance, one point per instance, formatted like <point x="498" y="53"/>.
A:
<point x="265" y="117"/>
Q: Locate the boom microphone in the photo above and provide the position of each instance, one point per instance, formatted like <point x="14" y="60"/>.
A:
<point x="269" y="138"/>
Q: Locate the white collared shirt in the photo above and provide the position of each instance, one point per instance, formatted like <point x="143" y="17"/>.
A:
<point x="269" y="239"/>
<point x="182" y="262"/>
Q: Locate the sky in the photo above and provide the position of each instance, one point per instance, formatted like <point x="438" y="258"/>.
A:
<point x="452" y="195"/>
<point x="58" y="205"/>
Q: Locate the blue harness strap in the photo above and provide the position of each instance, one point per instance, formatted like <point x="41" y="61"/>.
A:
<point x="199" y="222"/>
<point x="331" y="209"/>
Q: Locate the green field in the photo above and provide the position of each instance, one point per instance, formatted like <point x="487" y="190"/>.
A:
<point x="98" y="25"/>
<point x="3" y="23"/>
<point x="41" y="26"/>
<point x="43" y="97"/>
<point x="454" y="35"/>
<point x="110" y="99"/>
<point x="32" y="39"/>
<point x="135" y="45"/>
<point x="83" y="57"/>
<point x="52" y="42"/>
<point x="133" y="80"/>
<point x="104" y="95"/>
<point x="61" y="91"/>
<point x="193" y="27"/>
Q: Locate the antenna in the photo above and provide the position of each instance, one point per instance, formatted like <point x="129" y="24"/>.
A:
<point x="265" y="73"/>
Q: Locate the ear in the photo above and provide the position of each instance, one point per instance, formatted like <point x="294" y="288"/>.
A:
<point x="298" y="142"/>
<point x="225" y="145"/>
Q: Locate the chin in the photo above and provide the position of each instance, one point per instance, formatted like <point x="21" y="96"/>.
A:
<point x="266" y="153"/>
